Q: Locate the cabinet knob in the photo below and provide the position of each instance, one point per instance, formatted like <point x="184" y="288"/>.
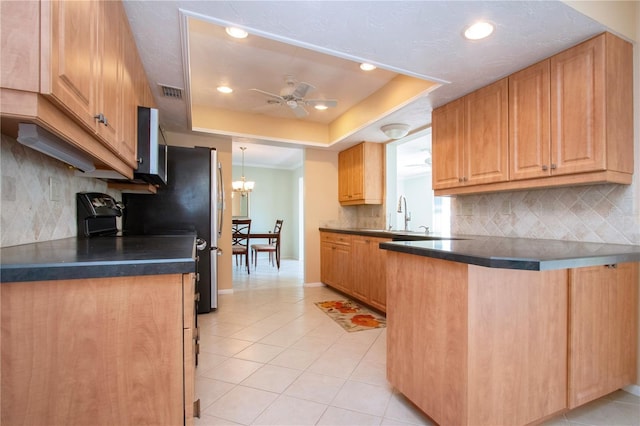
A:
<point x="460" y="180"/>
<point x="464" y="179"/>
<point x="101" y="119"/>
<point x="553" y="166"/>
<point x="544" y="167"/>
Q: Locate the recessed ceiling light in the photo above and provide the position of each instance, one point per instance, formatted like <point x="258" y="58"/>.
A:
<point x="224" y="89"/>
<point x="321" y="107"/>
<point x="236" y="32"/>
<point x="478" y="31"/>
<point x="367" y="67"/>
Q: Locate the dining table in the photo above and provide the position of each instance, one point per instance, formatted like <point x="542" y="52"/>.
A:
<point x="271" y="236"/>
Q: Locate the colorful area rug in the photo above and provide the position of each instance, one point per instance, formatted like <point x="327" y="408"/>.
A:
<point x="351" y="316"/>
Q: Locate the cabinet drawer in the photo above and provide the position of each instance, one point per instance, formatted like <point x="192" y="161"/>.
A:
<point x="328" y="237"/>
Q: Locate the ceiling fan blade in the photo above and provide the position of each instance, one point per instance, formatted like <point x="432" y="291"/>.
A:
<point x="271" y="95"/>
<point x="330" y="103"/>
<point x="301" y="90"/>
<point x="299" y="111"/>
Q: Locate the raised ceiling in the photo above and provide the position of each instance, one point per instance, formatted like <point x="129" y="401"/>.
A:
<point x="322" y="42"/>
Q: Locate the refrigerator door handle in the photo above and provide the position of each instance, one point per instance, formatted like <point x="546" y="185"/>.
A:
<point x="221" y="200"/>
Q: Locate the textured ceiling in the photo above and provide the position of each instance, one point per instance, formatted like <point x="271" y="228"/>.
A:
<point x="415" y="38"/>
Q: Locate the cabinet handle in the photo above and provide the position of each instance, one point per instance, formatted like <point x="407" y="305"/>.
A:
<point x="553" y="166"/>
<point x="196" y="408"/>
<point x="464" y="179"/>
<point x="544" y="167"/>
<point x="196" y="334"/>
<point x="197" y="348"/>
<point x="612" y="266"/>
<point x="460" y="180"/>
<point x="101" y="119"/>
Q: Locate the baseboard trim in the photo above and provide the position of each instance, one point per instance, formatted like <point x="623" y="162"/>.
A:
<point x="226" y="291"/>
<point x="318" y="284"/>
<point x="633" y="389"/>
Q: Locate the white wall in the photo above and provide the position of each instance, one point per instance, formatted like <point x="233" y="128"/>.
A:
<point x="275" y="196"/>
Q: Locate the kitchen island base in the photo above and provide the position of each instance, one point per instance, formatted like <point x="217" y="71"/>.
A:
<point x="471" y="345"/>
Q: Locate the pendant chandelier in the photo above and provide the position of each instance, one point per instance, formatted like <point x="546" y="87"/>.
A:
<point x="242" y="186"/>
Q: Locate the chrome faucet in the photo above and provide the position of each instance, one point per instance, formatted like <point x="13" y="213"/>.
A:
<point x="407" y="215"/>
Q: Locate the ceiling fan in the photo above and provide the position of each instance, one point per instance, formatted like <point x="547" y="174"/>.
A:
<point x="292" y="95"/>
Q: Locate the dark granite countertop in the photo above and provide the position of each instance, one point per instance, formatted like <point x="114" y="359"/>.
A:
<point x="100" y="257"/>
<point x="500" y="252"/>
<point x="519" y="253"/>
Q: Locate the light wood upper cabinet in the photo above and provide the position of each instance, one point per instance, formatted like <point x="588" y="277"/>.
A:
<point x="448" y="128"/>
<point x="603" y="321"/>
<point x="361" y="174"/>
<point x="85" y="74"/>
<point x="591" y="107"/>
<point x="486" y="143"/>
<point x="72" y="48"/>
<point x="470" y="139"/>
<point x="82" y="77"/>
<point x="529" y="122"/>
<point x="570" y="122"/>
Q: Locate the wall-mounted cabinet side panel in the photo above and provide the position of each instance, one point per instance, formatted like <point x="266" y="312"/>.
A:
<point x="529" y="121"/>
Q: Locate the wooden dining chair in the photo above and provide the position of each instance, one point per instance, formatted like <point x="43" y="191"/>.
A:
<point x="273" y="247"/>
<point x="240" y="240"/>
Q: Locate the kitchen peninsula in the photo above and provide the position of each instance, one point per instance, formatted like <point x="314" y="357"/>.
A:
<point x="496" y="331"/>
<point x="99" y="331"/>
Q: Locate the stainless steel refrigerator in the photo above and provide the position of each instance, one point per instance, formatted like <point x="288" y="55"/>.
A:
<point x="192" y="202"/>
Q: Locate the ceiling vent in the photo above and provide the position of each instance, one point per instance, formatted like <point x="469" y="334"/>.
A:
<point x="171" y="92"/>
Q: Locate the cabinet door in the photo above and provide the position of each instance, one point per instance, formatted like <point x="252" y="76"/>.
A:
<point x="356" y="178"/>
<point x="131" y="94"/>
<point x="72" y="81"/>
<point x="529" y="121"/>
<point x="378" y="271"/>
<point x="486" y="144"/>
<point x="448" y="128"/>
<point x="344" y="175"/>
<point x="110" y="73"/>
<point x="361" y="271"/>
<point x="326" y="264"/>
<point x="577" y="108"/>
<point x="603" y="320"/>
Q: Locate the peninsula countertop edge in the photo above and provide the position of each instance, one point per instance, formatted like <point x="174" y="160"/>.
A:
<point x="502" y="252"/>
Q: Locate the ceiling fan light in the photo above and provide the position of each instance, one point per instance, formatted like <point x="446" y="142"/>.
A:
<point x="224" y="89"/>
<point x="367" y="67"/>
<point x="236" y="32"/>
<point x="478" y="31"/>
<point x="395" y="130"/>
<point x="321" y="107"/>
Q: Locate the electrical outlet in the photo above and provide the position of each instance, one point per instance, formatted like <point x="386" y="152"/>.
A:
<point x="55" y="189"/>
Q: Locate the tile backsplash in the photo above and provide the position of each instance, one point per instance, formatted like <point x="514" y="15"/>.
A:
<point x="596" y="213"/>
<point x="29" y="210"/>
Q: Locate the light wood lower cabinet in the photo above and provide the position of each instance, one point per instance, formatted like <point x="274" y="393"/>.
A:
<point x="108" y="351"/>
<point x="603" y="330"/>
<point x="368" y="269"/>
<point x="484" y="346"/>
<point x="335" y="260"/>
<point x="355" y="265"/>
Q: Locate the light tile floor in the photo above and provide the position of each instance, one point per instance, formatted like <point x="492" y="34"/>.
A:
<point x="269" y="356"/>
